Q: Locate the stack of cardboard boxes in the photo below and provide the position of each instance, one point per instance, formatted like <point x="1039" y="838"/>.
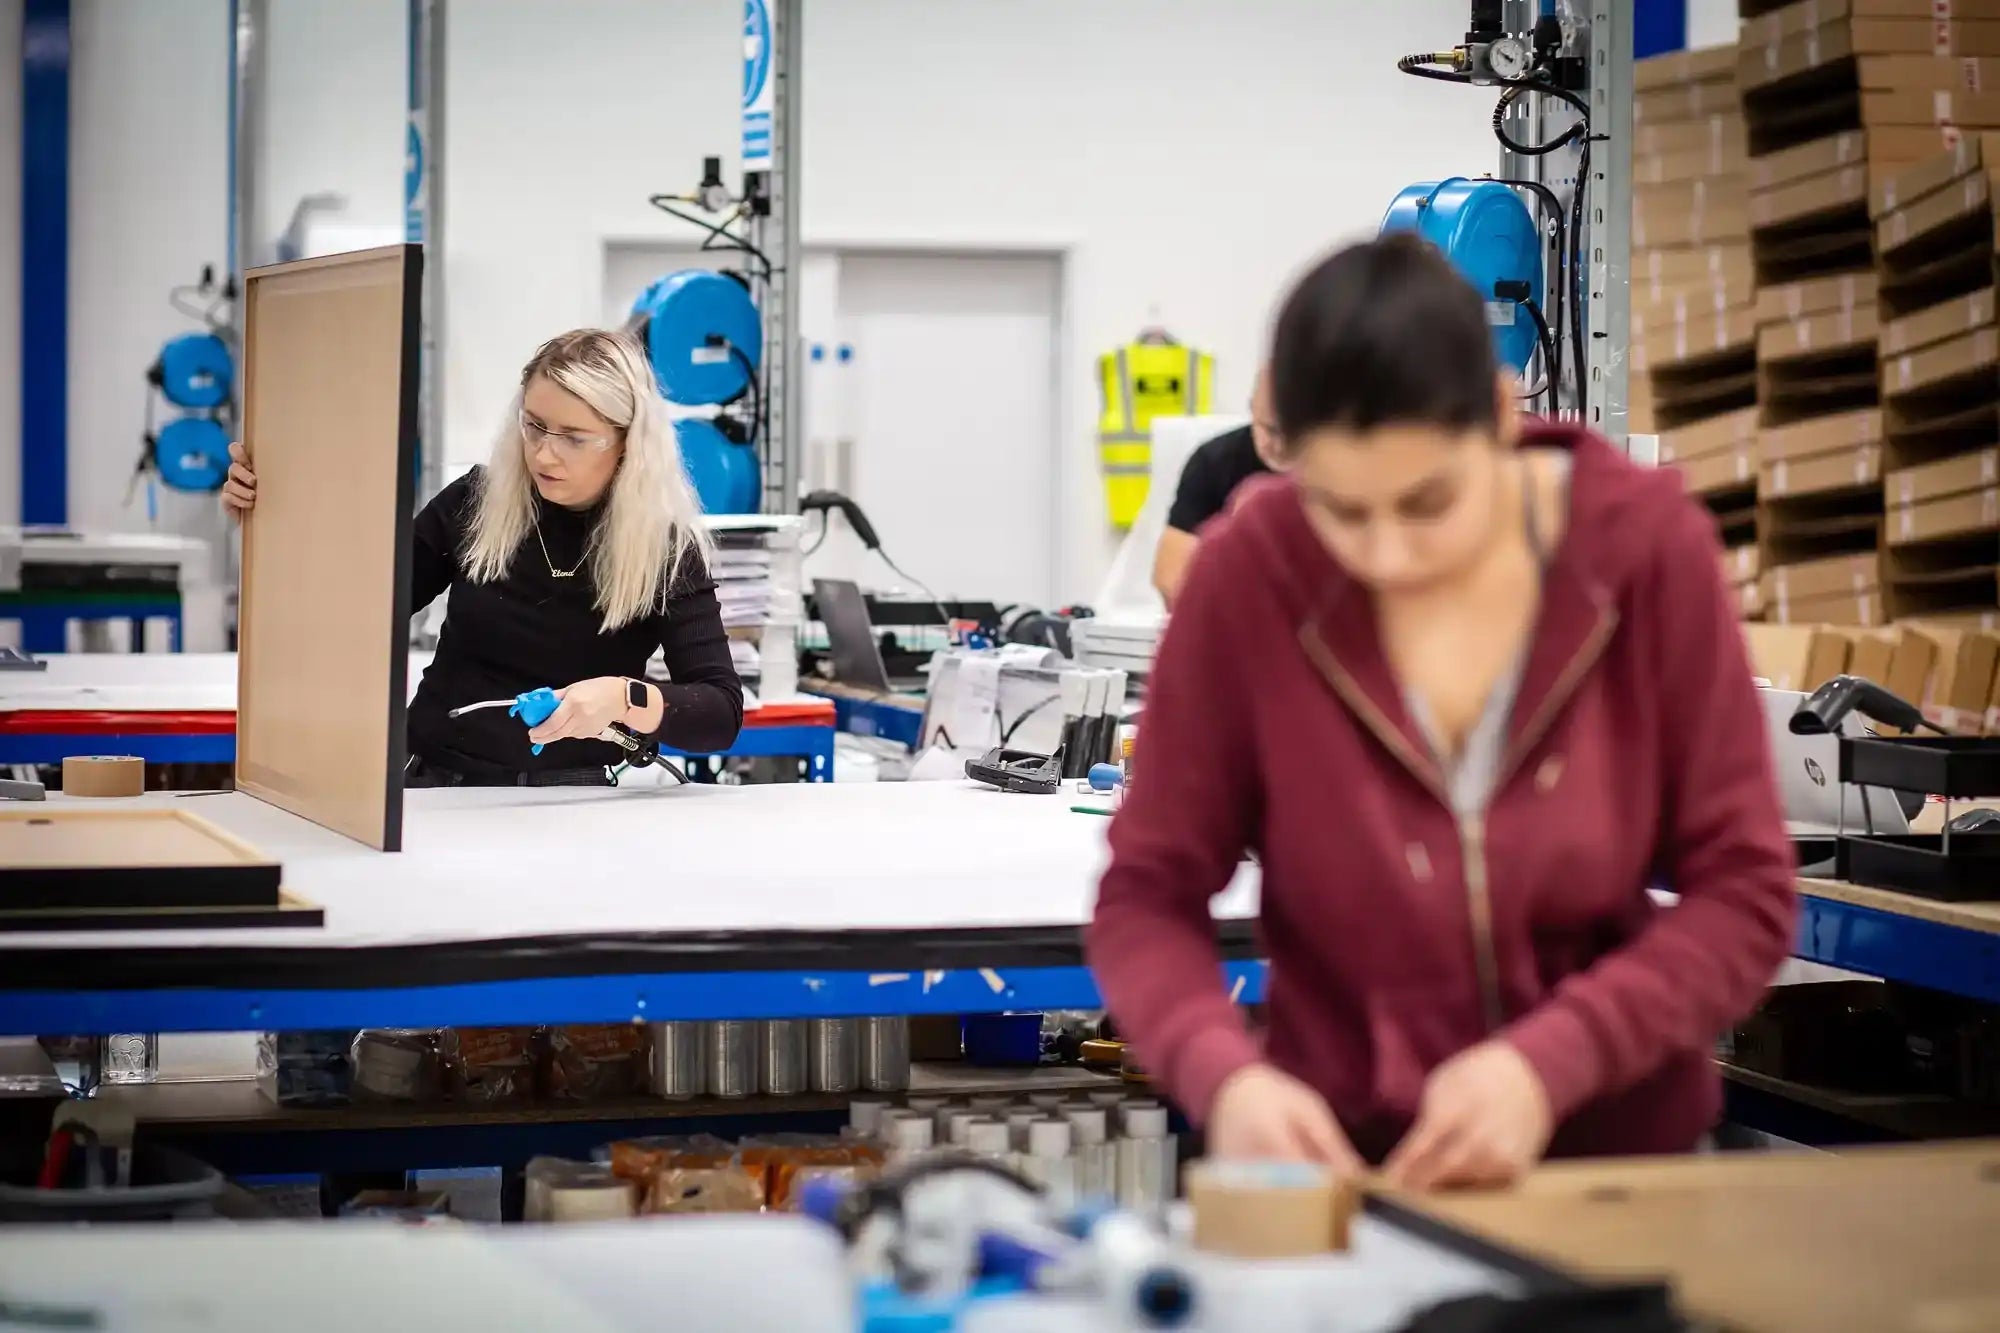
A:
<point x="1936" y="236"/>
<point x="1693" y="371"/>
<point x="1953" y="672"/>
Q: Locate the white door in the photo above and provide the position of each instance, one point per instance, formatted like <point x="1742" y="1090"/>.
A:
<point x="952" y="411"/>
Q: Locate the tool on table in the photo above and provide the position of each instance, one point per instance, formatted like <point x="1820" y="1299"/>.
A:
<point x="13" y="789"/>
<point x="1017" y="771"/>
<point x="537" y="706"/>
<point x="13" y="659"/>
<point x="943" y="1230"/>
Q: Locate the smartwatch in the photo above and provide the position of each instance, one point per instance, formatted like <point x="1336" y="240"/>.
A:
<point x="635" y="694"/>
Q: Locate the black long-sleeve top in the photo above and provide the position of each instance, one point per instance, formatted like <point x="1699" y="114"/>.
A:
<point x="530" y="628"/>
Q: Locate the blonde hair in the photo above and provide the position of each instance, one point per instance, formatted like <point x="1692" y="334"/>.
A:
<point x="651" y="526"/>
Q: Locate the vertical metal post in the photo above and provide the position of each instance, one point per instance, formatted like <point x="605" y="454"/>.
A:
<point x="45" y="53"/>
<point x="247" y="32"/>
<point x="1608" y="206"/>
<point x="423" y="224"/>
<point x="777" y="235"/>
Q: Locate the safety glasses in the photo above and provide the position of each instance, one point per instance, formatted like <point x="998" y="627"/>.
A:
<point x="565" y="442"/>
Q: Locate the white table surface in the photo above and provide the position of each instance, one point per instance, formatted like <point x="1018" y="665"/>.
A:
<point x="499" y="863"/>
<point x="136" y="683"/>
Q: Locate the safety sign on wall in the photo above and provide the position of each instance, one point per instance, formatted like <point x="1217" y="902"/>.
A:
<point x="758" y="98"/>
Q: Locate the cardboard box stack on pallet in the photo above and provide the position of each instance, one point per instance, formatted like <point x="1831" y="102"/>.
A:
<point x="1954" y="673"/>
<point x="1839" y="95"/>
<point x="1936" y="235"/>
<point x="1693" y="380"/>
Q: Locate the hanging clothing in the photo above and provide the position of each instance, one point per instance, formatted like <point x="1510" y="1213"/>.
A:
<point x="1138" y="382"/>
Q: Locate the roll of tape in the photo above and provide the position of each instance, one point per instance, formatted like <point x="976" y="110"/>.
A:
<point x="1269" y="1210"/>
<point x="103" y="775"/>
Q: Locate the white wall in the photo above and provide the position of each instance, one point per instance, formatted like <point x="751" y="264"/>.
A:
<point x="1711" y="23"/>
<point x="149" y="133"/>
<point x="1190" y="153"/>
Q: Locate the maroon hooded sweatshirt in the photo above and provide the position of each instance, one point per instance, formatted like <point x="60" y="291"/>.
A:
<point x="1399" y="933"/>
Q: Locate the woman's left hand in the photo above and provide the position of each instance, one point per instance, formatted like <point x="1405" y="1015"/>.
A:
<point x="588" y="707"/>
<point x="1484" y="1120"/>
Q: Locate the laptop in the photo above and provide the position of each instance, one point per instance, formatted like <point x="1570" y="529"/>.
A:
<point x="1809" y="778"/>
<point x="850" y="635"/>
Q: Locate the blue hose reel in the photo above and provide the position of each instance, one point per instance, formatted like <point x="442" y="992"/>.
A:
<point x="705" y="340"/>
<point x="1490" y="235"/>
<point x="192" y="454"/>
<point x="195" y="370"/>
<point x="703" y="335"/>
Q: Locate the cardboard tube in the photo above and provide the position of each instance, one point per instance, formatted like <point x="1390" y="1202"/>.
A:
<point x="1269" y="1210"/>
<point x="103" y="775"/>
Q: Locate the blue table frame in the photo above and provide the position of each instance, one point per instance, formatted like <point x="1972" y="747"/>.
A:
<point x="655" y="997"/>
<point x="813" y="743"/>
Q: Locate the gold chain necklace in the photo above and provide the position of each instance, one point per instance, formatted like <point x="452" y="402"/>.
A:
<point x="553" y="571"/>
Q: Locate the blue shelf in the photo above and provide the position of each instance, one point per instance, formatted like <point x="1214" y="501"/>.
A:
<point x="870" y="717"/>
<point x="600" y="999"/>
<point x="1900" y="948"/>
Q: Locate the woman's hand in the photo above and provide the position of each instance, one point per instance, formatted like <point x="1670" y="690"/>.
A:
<point x="239" y="489"/>
<point x="1484" y="1120"/>
<point x="588" y="707"/>
<point x="1262" y="1113"/>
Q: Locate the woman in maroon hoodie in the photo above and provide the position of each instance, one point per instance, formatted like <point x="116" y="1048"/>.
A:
<point x="1468" y="687"/>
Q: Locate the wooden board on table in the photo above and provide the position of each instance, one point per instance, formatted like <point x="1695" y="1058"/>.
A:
<point x="288" y="912"/>
<point x="92" y="859"/>
<point x="1852" y="1242"/>
<point x="330" y="419"/>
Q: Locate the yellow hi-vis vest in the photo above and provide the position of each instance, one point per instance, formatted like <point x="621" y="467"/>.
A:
<point x="1140" y="381"/>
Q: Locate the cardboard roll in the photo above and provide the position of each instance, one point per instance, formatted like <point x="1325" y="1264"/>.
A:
<point x="195" y="370"/>
<point x="702" y="335"/>
<point x="725" y="474"/>
<point x="103" y="775"/>
<point x="1490" y="235"/>
<point x="192" y="454"/>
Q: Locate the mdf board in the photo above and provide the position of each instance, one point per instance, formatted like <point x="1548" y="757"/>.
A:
<point x="330" y="420"/>
<point x="53" y="857"/>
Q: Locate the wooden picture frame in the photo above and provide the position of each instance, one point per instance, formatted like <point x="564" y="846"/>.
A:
<point x="330" y="377"/>
<point x="105" y="858"/>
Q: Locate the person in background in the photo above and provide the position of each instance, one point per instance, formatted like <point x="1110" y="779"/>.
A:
<point x="568" y="559"/>
<point x="1498" y="694"/>
<point x="1210" y="477"/>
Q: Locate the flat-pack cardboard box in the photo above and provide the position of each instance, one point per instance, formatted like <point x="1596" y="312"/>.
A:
<point x="1817" y="335"/>
<point x="1935" y="480"/>
<point x="1815" y="158"/>
<point x="1698" y="338"/>
<point x="1911" y="664"/>
<point x="1961" y="685"/>
<point x="1721" y="434"/>
<point x="1862" y="610"/>
<point x="1948" y="360"/>
<point x="1705" y="64"/>
<point x="1871" y="655"/>
<point x="1931" y="106"/>
<point x="1809" y="15"/>
<point x="1955" y="582"/>
<point x="1965" y="515"/>
<point x="1927" y="73"/>
<point x="1796" y="657"/>
<point x="1718" y="134"/>
<point x="1838" y="432"/>
<point x="1686" y="101"/>
<point x="1657" y="308"/>
<point x="1740" y="564"/>
<point x="1762" y="63"/>
<point x="1832" y="576"/>
<point x="1856" y="469"/>
<point x="1936" y="171"/>
<point x="1843" y="189"/>
<point x="1728" y="157"/>
<point x="1717" y="473"/>
<point x="1749" y="596"/>
<point x="1672" y="269"/>
<point x="1708" y="220"/>
<point x="1934" y="324"/>
<point x="1815" y="296"/>
<point x="1912" y="223"/>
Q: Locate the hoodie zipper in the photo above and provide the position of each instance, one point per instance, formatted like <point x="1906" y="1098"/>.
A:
<point x="1471" y="827"/>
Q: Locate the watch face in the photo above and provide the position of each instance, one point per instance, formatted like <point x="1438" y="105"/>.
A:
<point x="635" y="693"/>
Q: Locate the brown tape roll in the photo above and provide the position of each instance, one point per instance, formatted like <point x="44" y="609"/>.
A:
<point x="1269" y="1210"/>
<point x="103" y="775"/>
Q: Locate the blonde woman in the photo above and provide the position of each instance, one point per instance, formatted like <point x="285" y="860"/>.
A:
<point x="568" y="559"/>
